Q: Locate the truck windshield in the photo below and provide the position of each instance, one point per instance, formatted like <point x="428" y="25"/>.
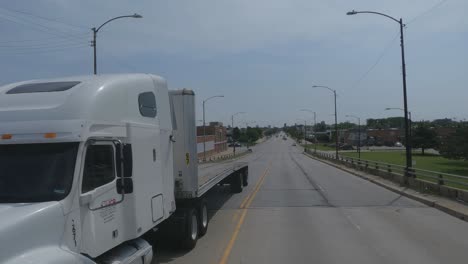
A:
<point x="36" y="172"/>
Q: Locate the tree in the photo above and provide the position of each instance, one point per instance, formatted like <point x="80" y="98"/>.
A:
<point x="423" y="137"/>
<point x="456" y="145"/>
<point x="320" y="127"/>
<point x="236" y="134"/>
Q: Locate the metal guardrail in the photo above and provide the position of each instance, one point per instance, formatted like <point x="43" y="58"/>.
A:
<point x="439" y="178"/>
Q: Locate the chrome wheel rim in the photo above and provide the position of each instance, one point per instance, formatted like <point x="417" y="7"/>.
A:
<point x="194" y="227"/>
<point x="204" y="216"/>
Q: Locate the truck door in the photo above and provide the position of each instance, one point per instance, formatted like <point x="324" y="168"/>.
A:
<point x="101" y="207"/>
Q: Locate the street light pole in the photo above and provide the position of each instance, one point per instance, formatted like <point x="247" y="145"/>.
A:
<point x="315" y="125"/>
<point x="204" y="126"/>
<point x="336" y="118"/>
<point x="359" y="134"/>
<point x="95" y="31"/>
<point x="232" y="136"/>
<point x="409" y="162"/>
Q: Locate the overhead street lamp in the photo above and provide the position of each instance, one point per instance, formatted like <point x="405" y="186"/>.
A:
<point x="315" y="125"/>
<point x="336" y="118"/>
<point x="232" y="136"/>
<point x="359" y="134"/>
<point x="409" y="162"/>
<point x="204" y="127"/>
<point x="96" y="30"/>
<point x="305" y="131"/>
<point x="409" y="116"/>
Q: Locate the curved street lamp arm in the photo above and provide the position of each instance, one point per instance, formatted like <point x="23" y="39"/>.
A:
<point x="212" y="97"/>
<point x="238" y="113"/>
<point x="372" y="12"/>
<point x="326" y="87"/>
<point x="112" y="19"/>
<point x="352" y="116"/>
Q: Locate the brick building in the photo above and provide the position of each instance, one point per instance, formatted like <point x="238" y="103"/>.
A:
<point x="386" y="137"/>
<point x="216" y="139"/>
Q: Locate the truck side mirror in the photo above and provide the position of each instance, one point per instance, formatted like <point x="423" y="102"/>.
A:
<point x="124" y="185"/>
<point x="126" y="160"/>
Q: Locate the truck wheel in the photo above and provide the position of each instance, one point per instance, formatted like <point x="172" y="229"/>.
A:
<point x="237" y="182"/>
<point x="246" y="178"/>
<point x="203" y="216"/>
<point x="191" y="229"/>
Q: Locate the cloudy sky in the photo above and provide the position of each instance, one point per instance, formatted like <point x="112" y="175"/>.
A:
<point x="262" y="55"/>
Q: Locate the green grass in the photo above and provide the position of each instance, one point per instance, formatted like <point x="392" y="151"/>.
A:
<point x="322" y="147"/>
<point x="425" y="162"/>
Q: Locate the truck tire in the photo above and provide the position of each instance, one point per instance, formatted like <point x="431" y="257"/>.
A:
<point x="245" y="173"/>
<point x="237" y="182"/>
<point x="190" y="236"/>
<point x="203" y="217"/>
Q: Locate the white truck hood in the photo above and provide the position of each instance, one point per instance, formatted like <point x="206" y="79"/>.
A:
<point x="29" y="227"/>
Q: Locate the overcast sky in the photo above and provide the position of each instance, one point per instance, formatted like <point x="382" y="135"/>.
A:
<point x="262" y="55"/>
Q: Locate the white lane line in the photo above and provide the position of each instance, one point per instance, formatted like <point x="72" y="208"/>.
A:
<point x="352" y="222"/>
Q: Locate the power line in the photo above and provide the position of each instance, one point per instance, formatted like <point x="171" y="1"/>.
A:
<point x="47" y="43"/>
<point x="427" y="11"/>
<point x="44" y="18"/>
<point x="379" y="58"/>
<point x="12" y="49"/>
<point x="38" y="26"/>
<point x="44" y="51"/>
<point x="49" y="39"/>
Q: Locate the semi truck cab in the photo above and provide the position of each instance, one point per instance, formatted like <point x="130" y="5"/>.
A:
<point x="86" y="168"/>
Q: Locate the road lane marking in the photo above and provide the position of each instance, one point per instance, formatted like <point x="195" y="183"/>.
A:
<point x="352" y="222"/>
<point x="248" y="201"/>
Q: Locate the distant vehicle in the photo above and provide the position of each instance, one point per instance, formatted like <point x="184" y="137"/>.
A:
<point x="234" y="145"/>
<point x="294" y="144"/>
<point x="346" y="147"/>
<point x="284" y="138"/>
<point x="398" y="144"/>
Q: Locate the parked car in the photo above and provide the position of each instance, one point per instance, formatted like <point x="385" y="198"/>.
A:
<point x="294" y="144"/>
<point x="398" y="144"/>
<point x="346" y="147"/>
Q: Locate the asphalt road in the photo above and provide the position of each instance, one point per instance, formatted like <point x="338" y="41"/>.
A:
<point x="298" y="210"/>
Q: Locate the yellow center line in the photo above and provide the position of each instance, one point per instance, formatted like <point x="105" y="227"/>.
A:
<point x="244" y="205"/>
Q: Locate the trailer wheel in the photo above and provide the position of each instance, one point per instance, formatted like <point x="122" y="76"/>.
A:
<point x="237" y="182"/>
<point x="190" y="237"/>
<point x="203" y="216"/>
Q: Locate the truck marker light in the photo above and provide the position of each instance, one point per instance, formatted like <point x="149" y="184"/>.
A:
<point x="7" y="136"/>
<point x="50" y="135"/>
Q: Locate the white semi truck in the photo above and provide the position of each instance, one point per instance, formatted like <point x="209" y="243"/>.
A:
<point x="91" y="166"/>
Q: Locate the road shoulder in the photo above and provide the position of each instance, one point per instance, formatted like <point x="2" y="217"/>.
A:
<point x="454" y="208"/>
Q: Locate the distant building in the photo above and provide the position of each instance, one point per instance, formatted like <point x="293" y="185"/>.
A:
<point x="352" y="137"/>
<point x="385" y="137"/>
<point x="216" y="139"/>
